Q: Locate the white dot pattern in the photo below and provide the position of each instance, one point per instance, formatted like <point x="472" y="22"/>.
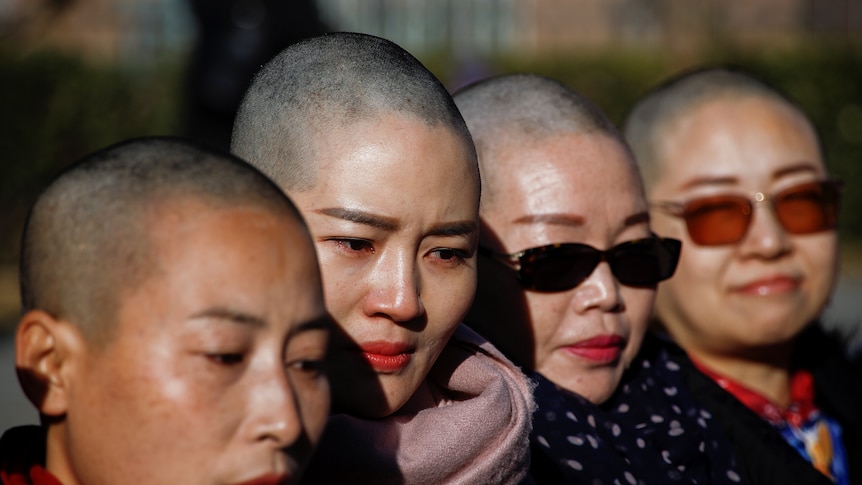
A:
<point x="651" y="431"/>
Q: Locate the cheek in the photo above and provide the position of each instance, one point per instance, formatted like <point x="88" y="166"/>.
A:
<point x="820" y="255"/>
<point x="548" y="312"/>
<point x="447" y="297"/>
<point x="340" y="287"/>
<point x="698" y="270"/>
<point x="314" y="405"/>
<point x="639" y="306"/>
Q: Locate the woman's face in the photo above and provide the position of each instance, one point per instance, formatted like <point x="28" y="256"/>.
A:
<point x="213" y="373"/>
<point x="761" y="291"/>
<point x="394" y="216"/>
<point x="579" y="188"/>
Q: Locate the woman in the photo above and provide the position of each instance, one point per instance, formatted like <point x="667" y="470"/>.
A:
<point x="735" y="170"/>
<point x="567" y="286"/>
<point x="373" y="151"/>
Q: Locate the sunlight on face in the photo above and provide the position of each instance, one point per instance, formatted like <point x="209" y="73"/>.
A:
<point x="393" y="214"/>
<point x="764" y="289"/>
<point x="579" y="188"/>
<point x="215" y="372"/>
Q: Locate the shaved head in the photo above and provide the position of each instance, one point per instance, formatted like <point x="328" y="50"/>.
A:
<point x="302" y="97"/>
<point x="517" y="109"/>
<point x="657" y="111"/>
<point x="86" y="238"/>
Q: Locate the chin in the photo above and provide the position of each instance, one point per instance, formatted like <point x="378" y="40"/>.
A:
<point x="599" y="390"/>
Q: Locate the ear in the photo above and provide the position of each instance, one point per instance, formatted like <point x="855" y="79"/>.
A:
<point x="45" y="352"/>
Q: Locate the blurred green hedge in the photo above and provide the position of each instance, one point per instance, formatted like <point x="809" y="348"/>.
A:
<point x="55" y="109"/>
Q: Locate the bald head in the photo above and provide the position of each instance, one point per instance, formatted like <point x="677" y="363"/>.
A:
<point x="518" y="109"/>
<point x="86" y="238"/>
<point x="303" y="96"/>
<point x="647" y="123"/>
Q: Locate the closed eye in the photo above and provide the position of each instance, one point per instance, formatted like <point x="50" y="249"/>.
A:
<point x="313" y="368"/>
<point x="227" y="359"/>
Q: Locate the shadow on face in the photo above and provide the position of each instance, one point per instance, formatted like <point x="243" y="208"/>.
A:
<point x="499" y="311"/>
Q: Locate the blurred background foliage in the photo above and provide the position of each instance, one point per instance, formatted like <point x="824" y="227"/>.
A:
<point x="57" y="108"/>
<point x="58" y="104"/>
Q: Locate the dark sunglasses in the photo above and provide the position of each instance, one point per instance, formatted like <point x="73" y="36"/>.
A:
<point x="724" y="219"/>
<point x="559" y="267"/>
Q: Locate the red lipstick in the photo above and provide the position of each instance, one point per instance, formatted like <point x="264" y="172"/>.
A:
<point x="602" y="349"/>
<point x="268" y="480"/>
<point x="386" y="356"/>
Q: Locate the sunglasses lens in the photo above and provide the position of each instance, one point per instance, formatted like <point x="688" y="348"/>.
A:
<point x="645" y="262"/>
<point x="808" y="208"/>
<point x="713" y="221"/>
<point x="557" y="268"/>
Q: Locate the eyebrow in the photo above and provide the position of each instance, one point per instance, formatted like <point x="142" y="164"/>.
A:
<point x="230" y="315"/>
<point x="361" y="217"/>
<point x="799" y="167"/>
<point x="451" y="229"/>
<point x="639" y="218"/>
<point x="710" y="180"/>
<point x="731" y="179"/>
<point x="572" y="220"/>
<point x="552" y="219"/>
<point x="389" y="224"/>
<point x="322" y="322"/>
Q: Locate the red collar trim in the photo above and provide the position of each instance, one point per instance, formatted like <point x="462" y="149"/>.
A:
<point x="801" y="406"/>
<point x="22" y="457"/>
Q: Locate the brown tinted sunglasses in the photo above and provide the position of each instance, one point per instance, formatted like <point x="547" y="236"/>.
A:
<point x="724" y="219"/>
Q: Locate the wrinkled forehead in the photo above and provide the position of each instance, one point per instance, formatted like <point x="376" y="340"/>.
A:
<point x="560" y="166"/>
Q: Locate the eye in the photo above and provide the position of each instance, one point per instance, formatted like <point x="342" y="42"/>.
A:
<point x="353" y="245"/>
<point x="450" y="256"/>
<point x="227" y="359"/>
<point x="312" y="368"/>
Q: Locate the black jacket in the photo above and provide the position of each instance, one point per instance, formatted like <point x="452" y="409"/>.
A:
<point x="763" y="456"/>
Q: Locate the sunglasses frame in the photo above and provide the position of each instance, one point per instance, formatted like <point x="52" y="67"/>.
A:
<point x="680" y="209"/>
<point x="519" y="261"/>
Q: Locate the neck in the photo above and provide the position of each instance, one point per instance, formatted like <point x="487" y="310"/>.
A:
<point x="56" y="457"/>
<point x="765" y="370"/>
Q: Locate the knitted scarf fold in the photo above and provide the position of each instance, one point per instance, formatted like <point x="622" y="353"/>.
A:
<point x="479" y="434"/>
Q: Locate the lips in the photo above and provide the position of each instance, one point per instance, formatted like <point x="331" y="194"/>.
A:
<point x="773" y="285"/>
<point x="602" y="349"/>
<point x="271" y="479"/>
<point x="385" y="356"/>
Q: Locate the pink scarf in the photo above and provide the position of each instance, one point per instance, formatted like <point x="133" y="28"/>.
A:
<point x="479" y="434"/>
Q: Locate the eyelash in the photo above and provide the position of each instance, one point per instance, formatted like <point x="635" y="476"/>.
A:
<point x="349" y="244"/>
<point x="456" y="256"/>
<point x="311" y="368"/>
<point x="228" y="359"/>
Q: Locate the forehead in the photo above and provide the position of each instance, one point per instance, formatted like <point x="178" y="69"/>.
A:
<point x="256" y="256"/>
<point x="394" y="159"/>
<point x="564" y="172"/>
<point x="748" y="138"/>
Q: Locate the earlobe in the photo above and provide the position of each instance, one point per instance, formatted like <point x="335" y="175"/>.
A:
<point x="43" y="347"/>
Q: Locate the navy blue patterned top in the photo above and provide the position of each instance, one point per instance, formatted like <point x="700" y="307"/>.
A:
<point x="651" y="431"/>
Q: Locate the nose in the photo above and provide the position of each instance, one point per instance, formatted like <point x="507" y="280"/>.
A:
<point x="395" y="291"/>
<point x="599" y="291"/>
<point x="273" y="410"/>
<point x="766" y="237"/>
